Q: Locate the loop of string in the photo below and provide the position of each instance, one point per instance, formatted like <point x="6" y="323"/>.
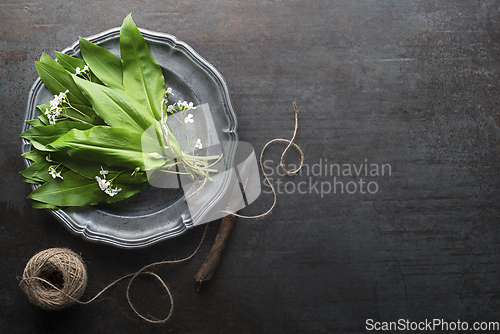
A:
<point x="290" y="143"/>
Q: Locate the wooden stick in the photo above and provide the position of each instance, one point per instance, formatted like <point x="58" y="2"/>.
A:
<point x="207" y="269"/>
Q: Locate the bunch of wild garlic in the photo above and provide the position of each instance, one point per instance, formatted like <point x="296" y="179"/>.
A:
<point x="90" y="144"/>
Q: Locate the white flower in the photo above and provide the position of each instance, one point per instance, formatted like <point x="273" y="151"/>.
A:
<point x="54" y="173"/>
<point x="189" y="119"/>
<point x="55" y="107"/>
<point x="105" y="185"/>
<point x="54" y="103"/>
<point x="103" y="172"/>
<point x="52" y="119"/>
<point x="169" y="91"/>
<point x="185" y="104"/>
<point x="79" y="71"/>
<point x="61" y="96"/>
<point x="198" y="144"/>
<point x="112" y="192"/>
<point x="188" y="105"/>
<point x="170" y="108"/>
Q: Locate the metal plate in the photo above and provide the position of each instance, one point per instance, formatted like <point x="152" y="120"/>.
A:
<point x="154" y="214"/>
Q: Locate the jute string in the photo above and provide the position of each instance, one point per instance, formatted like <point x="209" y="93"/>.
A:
<point x="59" y="265"/>
<point x="282" y="165"/>
<point x="47" y="295"/>
<point x="290" y="143"/>
<point x="57" y="277"/>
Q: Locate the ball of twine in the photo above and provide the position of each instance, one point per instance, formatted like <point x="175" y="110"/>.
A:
<point x="54" y="278"/>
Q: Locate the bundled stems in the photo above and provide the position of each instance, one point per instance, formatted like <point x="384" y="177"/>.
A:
<point x="194" y="166"/>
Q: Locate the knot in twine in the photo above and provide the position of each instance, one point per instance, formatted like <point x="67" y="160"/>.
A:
<point x="54" y="278"/>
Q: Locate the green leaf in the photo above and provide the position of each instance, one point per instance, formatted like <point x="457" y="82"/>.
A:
<point x="90" y="169"/>
<point x="76" y="190"/>
<point x="45" y="58"/>
<point x="72" y="190"/>
<point x="43" y="119"/>
<point x="40" y="205"/>
<point x="32" y="181"/>
<point x="35" y="122"/>
<point x="105" y="65"/>
<point x="69" y="63"/>
<point x="38" y="171"/>
<point x="34" y="155"/>
<point x="93" y="118"/>
<point x="85" y="109"/>
<point x="142" y="76"/>
<point x="84" y="113"/>
<point x="42" y="108"/>
<point x="86" y="168"/>
<point x="128" y="178"/>
<point x="46" y="134"/>
<point x="39" y="146"/>
<point x="57" y="80"/>
<point x="110" y="146"/>
<point x="116" y="107"/>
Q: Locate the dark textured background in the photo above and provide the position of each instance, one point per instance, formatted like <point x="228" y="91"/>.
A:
<point x="413" y="84"/>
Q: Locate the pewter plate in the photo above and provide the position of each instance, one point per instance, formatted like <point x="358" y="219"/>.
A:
<point x="154" y="214"/>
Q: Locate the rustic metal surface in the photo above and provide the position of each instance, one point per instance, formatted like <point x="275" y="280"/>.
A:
<point x="410" y="84"/>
